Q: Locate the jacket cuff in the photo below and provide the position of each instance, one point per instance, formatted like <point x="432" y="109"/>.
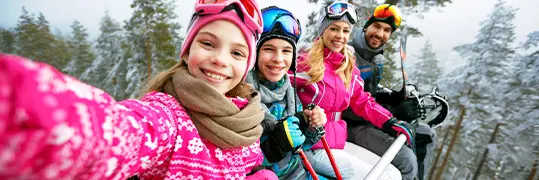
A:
<point x="272" y="151"/>
<point x="314" y="135"/>
<point x="387" y="127"/>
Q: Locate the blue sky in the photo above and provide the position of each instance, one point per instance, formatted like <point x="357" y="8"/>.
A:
<point x="446" y="27"/>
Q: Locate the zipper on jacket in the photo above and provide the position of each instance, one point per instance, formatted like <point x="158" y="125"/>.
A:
<point x="336" y="91"/>
<point x="374" y="77"/>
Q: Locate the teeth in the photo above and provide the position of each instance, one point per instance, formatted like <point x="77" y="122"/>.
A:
<point x="275" y="69"/>
<point x="376" y="39"/>
<point x="215" y="76"/>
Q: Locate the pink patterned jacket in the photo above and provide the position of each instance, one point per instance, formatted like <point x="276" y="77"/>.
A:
<point x="52" y="126"/>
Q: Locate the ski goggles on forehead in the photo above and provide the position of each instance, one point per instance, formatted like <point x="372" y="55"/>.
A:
<point x="289" y="23"/>
<point x="385" y="11"/>
<point x="247" y="10"/>
<point x="337" y="9"/>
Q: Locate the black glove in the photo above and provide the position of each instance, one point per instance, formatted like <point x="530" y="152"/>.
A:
<point x="395" y="127"/>
<point x="285" y="137"/>
<point x="408" y="111"/>
<point x="389" y="98"/>
<point x="303" y="122"/>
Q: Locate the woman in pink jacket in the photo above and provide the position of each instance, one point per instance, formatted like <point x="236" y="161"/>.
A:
<point x="197" y="120"/>
<point x="327" y="77"/>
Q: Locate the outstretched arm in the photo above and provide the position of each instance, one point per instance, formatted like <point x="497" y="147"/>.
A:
<point x="53" y="126"/>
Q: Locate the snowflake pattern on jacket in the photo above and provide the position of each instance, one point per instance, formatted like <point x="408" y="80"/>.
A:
<point x="53" y="126"/>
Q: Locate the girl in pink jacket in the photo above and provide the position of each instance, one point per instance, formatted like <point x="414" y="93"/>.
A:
<point x="197" y="120"/>
<point x="328" y="77"/>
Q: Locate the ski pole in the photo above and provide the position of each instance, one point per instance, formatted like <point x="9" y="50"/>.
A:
<point x="328" y="150"/>
<point x="402" y="50"/>
<point x="331" y="158"/>
<point x="386" y="159"/>
<point x="307" y="163"/>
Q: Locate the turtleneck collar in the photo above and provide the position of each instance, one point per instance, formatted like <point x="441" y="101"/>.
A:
<point x="363" y="50"/>
<point x="335" y="59"/>
<point x="270" y="85"/>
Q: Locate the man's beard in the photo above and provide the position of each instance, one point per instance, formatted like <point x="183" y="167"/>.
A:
<point x="376" y="37"/>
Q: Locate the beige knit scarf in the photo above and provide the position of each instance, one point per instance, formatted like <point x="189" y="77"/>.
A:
<point x="216" y="118"/>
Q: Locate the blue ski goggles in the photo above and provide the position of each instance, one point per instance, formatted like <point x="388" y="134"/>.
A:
<point x="289" y="23"/>
<point x="339" y="8"/>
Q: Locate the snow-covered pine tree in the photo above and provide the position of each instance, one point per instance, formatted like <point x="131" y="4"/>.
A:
<point x="522" y="104"/>
<point x="153" y="34"/>
<point x="7" y="41"/>
<point x="109" y="54"/>
<point x="81" y="51"/>
<point x="25" y="32"/>
<point x="62" y="53"/>
<point x="480" y="85"/>
<point x="425" y="72"/>
<point x="34" y="39"/>
<point x="44" y="41"/>
<point x="309" y="33"/>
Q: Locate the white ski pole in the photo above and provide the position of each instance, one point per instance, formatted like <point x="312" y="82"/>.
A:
<point x="386" y="159"/>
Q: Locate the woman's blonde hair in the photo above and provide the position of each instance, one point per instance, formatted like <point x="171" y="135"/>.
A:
<point x="316" y="63"/>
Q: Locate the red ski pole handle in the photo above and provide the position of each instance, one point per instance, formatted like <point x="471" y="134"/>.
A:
<point x="328" y="150"/>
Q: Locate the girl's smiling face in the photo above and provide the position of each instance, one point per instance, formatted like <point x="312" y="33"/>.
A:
<point x="219" y="57"/>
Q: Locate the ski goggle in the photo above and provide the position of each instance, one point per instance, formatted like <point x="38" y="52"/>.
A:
<point x="289" y="23"/>
<point x="385" y="11"/>
<point x="247" y="10"/>
<point x="339" y="8"/>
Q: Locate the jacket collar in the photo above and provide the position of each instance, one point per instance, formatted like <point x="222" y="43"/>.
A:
<point x="335" y="59"/>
